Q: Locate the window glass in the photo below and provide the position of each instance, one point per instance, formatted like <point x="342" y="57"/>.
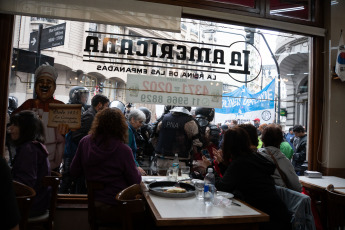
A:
<point x="245" y="61"/>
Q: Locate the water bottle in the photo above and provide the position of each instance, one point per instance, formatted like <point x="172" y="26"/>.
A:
<point x="209" y="188"/>
<point x="176" y="165"/>
<point x="208" y="195"/>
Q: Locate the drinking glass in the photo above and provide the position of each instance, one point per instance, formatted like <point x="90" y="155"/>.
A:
<point x="199" y="189"/>
<point x="185" y="170"/>
<point x="171" y="174"/>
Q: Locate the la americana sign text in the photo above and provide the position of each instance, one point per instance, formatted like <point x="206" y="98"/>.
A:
<point x="175" y="58"/>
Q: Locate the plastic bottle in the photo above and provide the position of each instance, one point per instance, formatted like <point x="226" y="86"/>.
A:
<point x="176" y="166"/>
<point x="176" y="162"/>
<point x="208" y="196"/>
<point x="209" y="187"/>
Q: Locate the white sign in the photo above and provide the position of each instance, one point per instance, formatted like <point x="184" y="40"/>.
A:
<point x="173" y="91"/>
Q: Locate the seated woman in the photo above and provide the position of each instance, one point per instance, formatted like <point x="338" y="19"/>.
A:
<point x="248" y="177"/>
<point x="272" y="137"/>
<point x="104" y="157"/>
<point x="31" y="162"/>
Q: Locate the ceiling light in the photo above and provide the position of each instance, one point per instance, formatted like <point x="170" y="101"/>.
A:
<point x="290" y="74"/>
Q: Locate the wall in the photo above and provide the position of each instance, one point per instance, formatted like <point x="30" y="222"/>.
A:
<point x="334" y="115"/>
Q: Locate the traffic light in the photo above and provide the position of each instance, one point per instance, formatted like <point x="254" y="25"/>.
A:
<point x="101" y="85"/>
<point x="250" y="37"/>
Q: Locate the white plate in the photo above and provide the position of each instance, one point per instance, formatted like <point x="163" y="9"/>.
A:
<point x="225" y="194"/>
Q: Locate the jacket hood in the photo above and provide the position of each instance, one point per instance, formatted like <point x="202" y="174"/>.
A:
<point x="275" y="151"/>
<point x="102" y="148"/>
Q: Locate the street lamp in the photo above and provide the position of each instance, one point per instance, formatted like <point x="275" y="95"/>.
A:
<point x="278" y="71"/>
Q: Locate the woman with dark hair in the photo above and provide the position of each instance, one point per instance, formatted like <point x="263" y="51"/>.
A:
<point x="31" y="162"/>
<point x="272" y="137"/>
<point x="248" y="177"/>
<point x="103" y="156"/>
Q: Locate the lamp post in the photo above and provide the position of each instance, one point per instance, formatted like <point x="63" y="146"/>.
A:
<point x="278" y="71"/>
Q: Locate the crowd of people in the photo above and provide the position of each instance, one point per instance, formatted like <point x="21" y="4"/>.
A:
<point x="248" y="159"/>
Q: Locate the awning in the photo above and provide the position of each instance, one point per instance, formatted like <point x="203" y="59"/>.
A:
<point x="120" y="12"/>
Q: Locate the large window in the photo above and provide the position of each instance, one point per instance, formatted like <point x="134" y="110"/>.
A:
<point x="246" y="60"/>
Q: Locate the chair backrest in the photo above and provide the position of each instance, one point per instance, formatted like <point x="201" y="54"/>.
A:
<point x="102" y="214"/>
<point x="24" y="195"/>
<point x="134" y="207"/>
<point x="52" y="181"/>
<point x="92" y="186"/>
<point x="335" y="208"/>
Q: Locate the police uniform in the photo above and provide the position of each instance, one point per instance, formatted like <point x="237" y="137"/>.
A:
<point x="177" y="133"/>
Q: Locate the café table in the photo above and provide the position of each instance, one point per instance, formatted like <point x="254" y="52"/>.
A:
<point x="191" y="213"/>
<point x="317" y="189"/>
<point x="323" y="182"/>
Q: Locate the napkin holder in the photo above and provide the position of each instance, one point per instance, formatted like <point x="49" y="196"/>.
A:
<point x="312" y="174"/>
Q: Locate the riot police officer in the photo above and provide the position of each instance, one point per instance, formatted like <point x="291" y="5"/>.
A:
<point x="210" y="133"/>
<point x="177" y="133"/>
<point x="119" y="105"/>
<point x="12" y="104"/>
<point x="145" y="148"/>
<point x="79" y="95"/>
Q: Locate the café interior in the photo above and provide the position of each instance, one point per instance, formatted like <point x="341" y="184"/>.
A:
<point x="321" y="20"/>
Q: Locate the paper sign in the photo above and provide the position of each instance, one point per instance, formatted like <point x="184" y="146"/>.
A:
<point x="173" y="91"/>
<point x="64" y="114"/>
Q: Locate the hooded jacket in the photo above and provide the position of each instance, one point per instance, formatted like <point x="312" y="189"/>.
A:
<point x="106" y="160"/>
<point x="30" y="165"/>
<point x="285" y="165"/>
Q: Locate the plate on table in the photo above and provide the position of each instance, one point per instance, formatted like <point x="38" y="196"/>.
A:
<point x="225" y="194"/>
<point x="160" y="188"/>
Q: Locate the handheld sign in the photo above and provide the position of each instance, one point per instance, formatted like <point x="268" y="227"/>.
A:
<point x="64" y="114"/>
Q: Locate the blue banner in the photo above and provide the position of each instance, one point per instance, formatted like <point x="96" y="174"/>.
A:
<point x="242" y="104"/>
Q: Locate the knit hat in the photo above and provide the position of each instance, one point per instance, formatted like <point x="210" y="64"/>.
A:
<point x="46" y="70"/>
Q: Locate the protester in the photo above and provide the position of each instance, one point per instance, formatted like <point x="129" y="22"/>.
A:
<point x="284" y="175"/>
<point x="135" y="120"/>
<point x="248" y="177"/>
<point x="301" y="149"/>
<point x="31" y="162"/>
<point x="103" y="156"/>
<point x="289" y="137"/>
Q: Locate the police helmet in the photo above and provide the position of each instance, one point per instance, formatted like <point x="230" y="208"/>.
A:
<point x="147" y="114"/>
<point x="12" y="104"/>
<point x="78" y="94"/>
<point x="167" y="108"/>
<point x="119" y="105"/>
<point x="208" y="113"/>
<point x="179" y="109"/>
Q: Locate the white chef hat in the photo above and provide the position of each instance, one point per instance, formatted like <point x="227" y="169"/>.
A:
<point x="46" y="70"/>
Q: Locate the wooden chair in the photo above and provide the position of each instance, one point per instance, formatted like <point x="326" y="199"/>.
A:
<point x="47" y="220"/>
<point x="134" y="208"/>
<point x="24" y="195"/>
<point x="99" y="214"/>
<point x="335" y="208"/>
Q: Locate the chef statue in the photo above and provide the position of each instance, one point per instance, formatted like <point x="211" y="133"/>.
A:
<point x="45" y="85"/>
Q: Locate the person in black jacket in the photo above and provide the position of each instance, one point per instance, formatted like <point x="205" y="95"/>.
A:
<point x="300" y="154"/>
<point x="248" y="177"/>
<point x="98" y="103"/>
